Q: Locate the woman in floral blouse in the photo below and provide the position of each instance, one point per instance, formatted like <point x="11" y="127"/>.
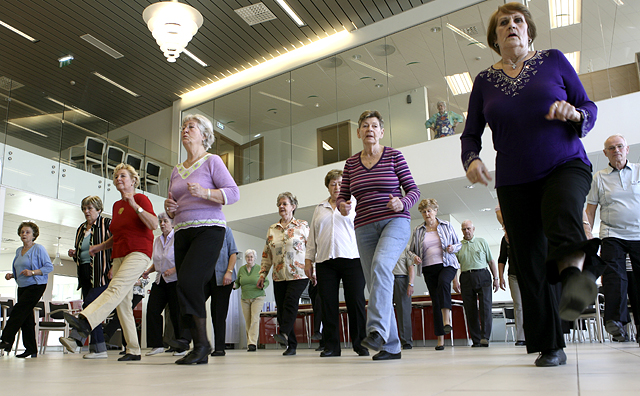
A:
<point x="285" y="251"/>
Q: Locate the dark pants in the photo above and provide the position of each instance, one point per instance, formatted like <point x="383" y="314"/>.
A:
<point x="22" y="317"/>
<point x="438" y="279"/>
<point x="544" y="223"/>
<point x="402" y="302"/>
<point x="287" y="296"/>
<point x="634" y="298"/>
<point x="614" y="278"/>
<point x="316" y="305"/>
<point x="219" y="308"/>
<point x="196" y="250"/>
<point x="97" y="340"/>
<point x="162" y="294"/>
<point x="329" y="273"/>
<point x="477" y="285"/>
<point x="114" y="324"/>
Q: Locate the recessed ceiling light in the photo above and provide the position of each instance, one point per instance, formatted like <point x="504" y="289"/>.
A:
<point x="435" y="29"/>
<point x="466" y="36"/>
<point x="574" y="59"/>
<point x="110" y="81"/>
<point x="283" y="4"/>
<point x="326" y="146"/>
<point x="356" y="59"/>
<point x="485" y="209"/>
<point x="257" y="135"/>
<point x="195" y="58"/>
<point x="65" y="58"/>
<point x="469" y="186"/>
<point x="459" y="83"/>
<point x="564" y="12"/>
<point x="279" y="98"/>
<point x="23" y="34"/>
<point x="379" y="85"/>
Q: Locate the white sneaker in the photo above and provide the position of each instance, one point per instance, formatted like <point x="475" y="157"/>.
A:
<point x="96" y="355"/>
<point x="68" y="343"/>
<point x="154" y="351"/>
<point x="180" y="353"/>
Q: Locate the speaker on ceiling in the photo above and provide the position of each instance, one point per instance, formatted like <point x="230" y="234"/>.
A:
<point x="408" y="99"/>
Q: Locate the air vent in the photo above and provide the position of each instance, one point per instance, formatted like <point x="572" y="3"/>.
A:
<point x="472" y="30"/>
<point x="101" y="46"/>
<point x="8" y="85"/>
<point x="255" y="14"/>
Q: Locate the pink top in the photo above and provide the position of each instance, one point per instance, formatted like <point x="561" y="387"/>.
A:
<point x="433" y="248"/>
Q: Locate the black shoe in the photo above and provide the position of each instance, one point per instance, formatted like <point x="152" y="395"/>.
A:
<point x="218" y="353"/>
<point x="616" y="329"/>
<point x="447" y="329"/>
<point x="6" y="346"/>
<point x="520" y="343"/>
<point x="27" y="354"/>
<point x="551" y="358"/>
<point x="320" y="348"/>
<point x="578" y="292"/>
<point x="289" y="352"/>
<point x="80" y="323"/>
<point x="179" y="344"/>
<point x="478" y="345"/>
<point x="373" y="341"/>
<point x="281" y="339"/>
<point x="251" y="348"/>
<point x="129" y="357"/>
<point x="316" y="336"/>
<point x="407" y="346"/>
<point x="328" y="353"/>
<point x="362" y="351"/>
<point x="384" y="355"/>
<point x="199" y="355"/>
<point x="439" y="347"/>
<point x="170" y="349"/>
<point x="123" y="352"/>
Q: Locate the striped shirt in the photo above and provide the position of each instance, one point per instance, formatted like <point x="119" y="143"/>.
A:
<point x="447" y="236"/>
<point x="372" y="187"/>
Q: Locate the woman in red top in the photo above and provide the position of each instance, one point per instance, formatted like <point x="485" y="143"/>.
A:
<point x="132" y="246"/>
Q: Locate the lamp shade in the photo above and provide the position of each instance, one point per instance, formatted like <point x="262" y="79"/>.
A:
<point x="173" y="25"/>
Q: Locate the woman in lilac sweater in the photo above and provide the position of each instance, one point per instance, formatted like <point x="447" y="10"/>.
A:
<point x="198" y="188"/>
<point x="537" y="110"/>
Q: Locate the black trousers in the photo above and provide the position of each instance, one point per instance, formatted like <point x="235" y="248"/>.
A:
<point x="316" y="305"/>
<point x="634" y="297"/>
<point x="329" y="273"/>
<point x="219" y="308"/>
<point x="162" y="294"/>
<point x="438" y="279"/>
<point x="614" y="278"/>
<point x="544" y="222"/>
<point x="476" y="285"/>
<point x="287" y="296"/>
<point x="22" y="317"/>
<point x="196" y="250"/>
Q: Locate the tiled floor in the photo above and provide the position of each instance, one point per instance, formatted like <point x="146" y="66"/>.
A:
<point x="502" y="369"/>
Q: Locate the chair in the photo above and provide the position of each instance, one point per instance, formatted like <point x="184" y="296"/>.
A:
<point x="91" y="155"/>
<point x="115" y="156"/>
<point x="39" y="311"/>
<point x="7" y="307"/>
<point x="135" y="161"/>
<point x="54" y="321"/>
<point x="151" y="174"/>
<point x="592" y="316"/>
<point x="510" y="323"/>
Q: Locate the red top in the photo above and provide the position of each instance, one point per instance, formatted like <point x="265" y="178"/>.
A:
<point x="129" y="232"/>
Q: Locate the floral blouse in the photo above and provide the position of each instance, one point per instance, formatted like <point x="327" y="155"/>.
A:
<point x="285" y="251"/>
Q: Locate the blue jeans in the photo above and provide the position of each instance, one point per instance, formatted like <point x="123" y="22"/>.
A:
<point x="380" y="245"/>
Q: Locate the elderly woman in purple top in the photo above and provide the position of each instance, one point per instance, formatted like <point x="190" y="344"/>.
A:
<point x="376" y="177"/>
<point x="198" y="188"/>
<point x="537" y="110"/>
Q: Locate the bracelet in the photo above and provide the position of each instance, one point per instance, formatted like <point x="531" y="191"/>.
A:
<point x="208" y="194"/>
<point x="411" y="284"/>
<point x="587" y="223"/>
<point x="230" y="270"/>
<point x="496" y="278"/>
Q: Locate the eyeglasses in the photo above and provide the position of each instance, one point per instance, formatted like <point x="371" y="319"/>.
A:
<point x="616" y="147"/>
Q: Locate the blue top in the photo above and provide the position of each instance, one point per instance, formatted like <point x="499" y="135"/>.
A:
<point x="528" y="146"/>
<point x="228" y="248"/>
<point x="35" y="258"/>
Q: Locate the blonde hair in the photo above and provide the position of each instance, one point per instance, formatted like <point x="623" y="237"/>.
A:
<point x="92" y="200"/>
<point x="428" y="203"/>
<point x="132" y="172"/>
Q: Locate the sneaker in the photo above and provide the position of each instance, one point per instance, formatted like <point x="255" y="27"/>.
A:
<point x="179" y="353"/>
<point x="69" y="343"/>
<point x="154" y="351"/>
<point x="96" y="355"/>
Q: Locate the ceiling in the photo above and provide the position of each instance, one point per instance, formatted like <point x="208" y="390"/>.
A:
<point x="224" y="41"/>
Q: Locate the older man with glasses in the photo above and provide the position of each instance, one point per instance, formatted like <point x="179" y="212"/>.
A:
<point x="617" y="190"/>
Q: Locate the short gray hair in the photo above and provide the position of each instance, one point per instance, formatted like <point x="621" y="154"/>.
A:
<point x="618" y="136"/>
<point x="292" y="199"/>
<point x="164" y="215"/>
<point x="205" y="126"/>
<point x="250" y="251"/>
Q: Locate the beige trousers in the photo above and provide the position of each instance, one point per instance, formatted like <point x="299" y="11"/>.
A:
<point x="119" y="295"/>
<point x="251" y="309"/>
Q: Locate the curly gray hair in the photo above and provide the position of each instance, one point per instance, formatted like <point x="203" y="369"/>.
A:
<point x="205" y="126"/>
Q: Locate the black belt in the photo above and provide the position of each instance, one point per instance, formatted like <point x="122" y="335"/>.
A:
<point x="476" y="270"/>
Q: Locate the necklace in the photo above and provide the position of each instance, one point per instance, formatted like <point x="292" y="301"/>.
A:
<point x="513" y="65"/>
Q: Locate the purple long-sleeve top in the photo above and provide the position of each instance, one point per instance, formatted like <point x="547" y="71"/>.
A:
<point x="372" y="187"/>
<point x="209" y="172"/>
<point x="528" y="146"/>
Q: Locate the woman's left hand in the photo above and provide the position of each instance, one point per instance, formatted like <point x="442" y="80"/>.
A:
<point x="563" y="111"/>
<point x="395" y="204"/>
<point x="227" y="279"/>
<point x="196" y="190"/>
<point x="128" y="198"/>
<point x="8" y="276"/>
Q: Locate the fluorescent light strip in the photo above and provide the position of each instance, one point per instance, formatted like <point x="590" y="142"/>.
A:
<point x="23" y="34"/>
<point x="326" y="146"/>
<point x="459" y="83"/>
<point x="77" y="110"/>
<point x="195" y="58"/>
<point x="27" y="129"/>
<point x="368" y="66"/>
<point x="466" y="36"/>
<point x="283" y="4"/>
<point x="130" y="92"/>
<point x="564" y="12"/>
<point x="279" y="98"/>
<point x="65" y="58"/>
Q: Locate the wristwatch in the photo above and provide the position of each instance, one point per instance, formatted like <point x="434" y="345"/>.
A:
<point x="411" y="284"/>
<point x="139" y="210"/>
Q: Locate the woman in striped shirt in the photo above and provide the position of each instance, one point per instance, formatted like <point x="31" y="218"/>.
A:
<point x="377" y="177"/>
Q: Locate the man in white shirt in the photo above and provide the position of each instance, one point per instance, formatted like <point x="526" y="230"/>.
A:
<point x="617" y="190"/>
